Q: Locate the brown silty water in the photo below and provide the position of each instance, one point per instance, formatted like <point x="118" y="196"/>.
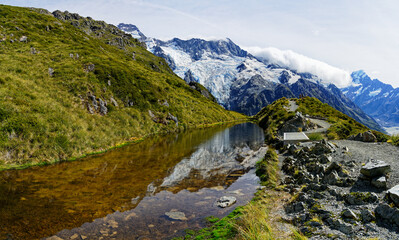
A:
<point x="154" y="189"/>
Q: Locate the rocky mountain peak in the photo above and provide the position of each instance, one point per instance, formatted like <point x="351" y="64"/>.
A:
<point x="132" y="30"/>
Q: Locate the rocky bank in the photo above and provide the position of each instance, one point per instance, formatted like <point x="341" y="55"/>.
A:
<point x="342" y="189"/>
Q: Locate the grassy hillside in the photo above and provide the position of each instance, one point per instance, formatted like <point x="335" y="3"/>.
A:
<point x="58" y="74"/>
<point x="272" y="117"/>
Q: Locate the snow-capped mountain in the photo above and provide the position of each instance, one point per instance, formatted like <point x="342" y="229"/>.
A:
<point x="374" y="97"/>
<point x="240" y="81"/>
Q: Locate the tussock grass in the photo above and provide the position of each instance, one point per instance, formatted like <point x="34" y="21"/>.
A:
<point x="315" y="136"/>
<point x="44" y="119"/>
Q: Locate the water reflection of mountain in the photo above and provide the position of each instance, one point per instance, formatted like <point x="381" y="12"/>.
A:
<point x="219" y="156"/>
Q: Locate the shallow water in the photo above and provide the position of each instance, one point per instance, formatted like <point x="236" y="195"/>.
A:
<point x="128" y="193"/>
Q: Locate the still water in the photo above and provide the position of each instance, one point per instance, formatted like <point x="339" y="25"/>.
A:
<point x="132" y="192"/>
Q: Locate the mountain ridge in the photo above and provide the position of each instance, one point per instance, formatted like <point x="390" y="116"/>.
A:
<point x="242" y="82"/>
<point x="378" y="99"/>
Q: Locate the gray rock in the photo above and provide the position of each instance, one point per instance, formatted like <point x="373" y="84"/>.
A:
<point x="50" y="72"/>
<point x="292" y="149"/>
<point x="342" y="226"/>
<point x="387" y="214"/>
<point x="109" y="82"/>
<point x="380" y="182"/>
<point x="360" y="198"/>
<point x="366" y="216"/>
<point x="175" y="215"/>
<point x="393" y="194"/>
<point x="225" y="201"/>
<point x="103" y="107"/>
<point x="295" y="207"/>
<point x="171" y="117"/>
<point x="332" y="178"/>
<point x="90" y="109"/>
<point x="347" y="213"/>
<point x="113" y="101"/>
<point x="33" y="50"/>
<point x="90" y="67"/>
<point x="325" y="159"/>
<point x="369" y="137"/>
<point x="23" y="39"/>
<point x="71" y="55"/>
<point x="94" y="102"/>
<point x="375" y="168"/>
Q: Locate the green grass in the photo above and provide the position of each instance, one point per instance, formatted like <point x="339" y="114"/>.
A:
<point x="315" y="136"/>
<point x="44" y="119"/>
<point x="394" y="139"/>
<point x="273" y="116"/>
<point x="253" y="221"/>
<point x="267" y="169"/>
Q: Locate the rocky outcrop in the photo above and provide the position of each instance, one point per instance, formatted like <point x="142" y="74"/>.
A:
<point x="327" y="199"/>
<point x="364" y="137"/>
<point x="297" y="124"/>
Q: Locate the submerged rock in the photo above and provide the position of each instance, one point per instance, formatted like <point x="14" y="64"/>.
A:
<point x="175" y="215"/>
<point x="225" y="201"/>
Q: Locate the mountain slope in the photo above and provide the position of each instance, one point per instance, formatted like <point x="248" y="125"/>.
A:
<point x="376" y="98"/>
<point x="72" y="85"/>
<point x="240" y="81"/>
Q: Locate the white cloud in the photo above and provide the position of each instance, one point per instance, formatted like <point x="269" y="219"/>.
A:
<point x="301" y="63"/>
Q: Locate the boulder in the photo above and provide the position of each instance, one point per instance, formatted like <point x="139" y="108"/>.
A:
<point x="366" y="216"/>
<point x="369" y="137"/>
<point x="347" y="213"/>
<point x="360" y="198"/>
<point x="332" y="178"/>
<point x="375" y="168"/>
<point x="379" y="182"/>
<point x="225" y="201"/>
<point x="342" y="226"/>
<point x="393" y="194"/>
<point x="387" y="214"/>
<point x="295" y="207"/>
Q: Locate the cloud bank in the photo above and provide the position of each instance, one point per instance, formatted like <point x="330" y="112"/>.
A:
<point x="300" y="63"/>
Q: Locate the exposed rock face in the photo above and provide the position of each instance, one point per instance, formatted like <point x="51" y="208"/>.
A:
<point x="225" y="201"/>
<point x="297" y="124"/>
<point x="375" y="168"/>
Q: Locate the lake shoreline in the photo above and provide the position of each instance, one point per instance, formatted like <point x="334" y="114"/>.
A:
<point x="132" y="140"/>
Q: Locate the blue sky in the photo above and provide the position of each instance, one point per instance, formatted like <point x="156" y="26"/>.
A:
<point x="347" y="34"/>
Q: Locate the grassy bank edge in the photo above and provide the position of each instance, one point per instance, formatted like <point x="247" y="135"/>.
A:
<point x="132" y="140"/>
<point x="254" y="220"/>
